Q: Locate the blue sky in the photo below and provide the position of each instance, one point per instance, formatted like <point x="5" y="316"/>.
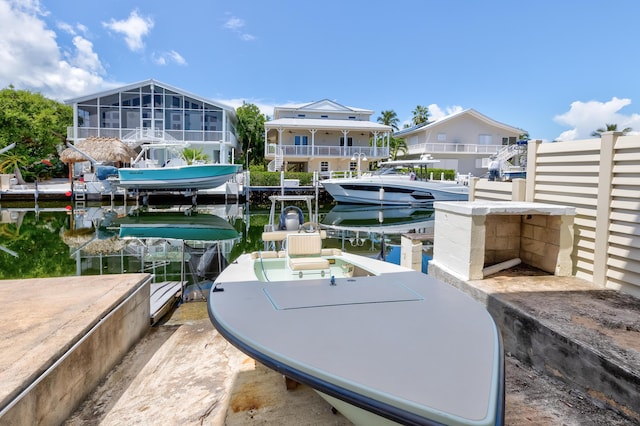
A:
<point x="557" y="69"/>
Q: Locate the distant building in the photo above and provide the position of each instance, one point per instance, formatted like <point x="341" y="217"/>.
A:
<point x="463" y="141"/>
<point x="150" y="111"/>
<point x="324" y="136"/>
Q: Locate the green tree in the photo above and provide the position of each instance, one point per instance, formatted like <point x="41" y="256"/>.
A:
<point x="389" y="118"/>
<point x="609" y="128"/>
<point x="36" y="124"/>
<point x="420" y="115"/>
<point x="397" y="146"/>
<point x="250" y="132"/>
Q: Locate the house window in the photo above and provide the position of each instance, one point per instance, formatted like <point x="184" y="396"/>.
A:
<point x="484" y="139"/>
<point x="349" y="141"/>
<point x="442" y="137"/>
<point x="301" y="115"/>
<point x="352" y="166"/>
<point x="301" y="140"/>
<point x="352" y="117"/>
<point x="324" y="166"/>
<point x="508" y="141"/>
<point x="324" y="116"/>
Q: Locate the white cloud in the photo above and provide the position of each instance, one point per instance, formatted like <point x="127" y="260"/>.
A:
<point x="437" y="113"/>
<point x="133" y="29"/>
<point x="32" y="59"/>
<point x="585" y="117"/>
<point x="165" y="57"/>
<point x="236" y="25"/>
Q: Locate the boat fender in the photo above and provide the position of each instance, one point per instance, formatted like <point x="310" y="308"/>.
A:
<point x="283" y="216"/>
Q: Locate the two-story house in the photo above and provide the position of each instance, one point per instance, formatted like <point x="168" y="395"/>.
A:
<point x="463" y="141"/>
<point x="154" y="112"/>
<point x="324" y="136"/>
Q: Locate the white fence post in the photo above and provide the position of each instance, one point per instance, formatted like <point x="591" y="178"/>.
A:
<point x="603" y="208"/>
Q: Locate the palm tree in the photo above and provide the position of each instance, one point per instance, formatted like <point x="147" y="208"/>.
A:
<point x="396" y="146"/>
<point x="609" y="128"/>
<point x="389" y="118"/>
<point x="420" y="115"/>
<point x="12" y="163"/>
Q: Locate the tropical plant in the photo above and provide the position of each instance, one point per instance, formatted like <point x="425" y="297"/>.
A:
<point x="420" y="115"/>
<point x="397" y="146"/>
<point x="250" y="131"/>
<point x="389" y="118"/>
<point x="191" y="155"/>
<point x="609" y="128"/>
<point x="36" y="124"/>
<point x="12" y="163"/>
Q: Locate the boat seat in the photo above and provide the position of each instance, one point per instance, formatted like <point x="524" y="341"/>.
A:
<point x="304" y="252"/>
<point x="308" y="263"/>
<point x="282" y="235"/>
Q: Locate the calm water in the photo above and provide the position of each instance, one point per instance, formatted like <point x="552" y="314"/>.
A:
<point x="174" y="242"/>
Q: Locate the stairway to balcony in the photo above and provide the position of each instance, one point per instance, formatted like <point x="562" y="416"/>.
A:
<point x="275" y="165"/>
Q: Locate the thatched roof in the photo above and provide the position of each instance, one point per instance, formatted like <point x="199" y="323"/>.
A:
<point x="108" y="150"/>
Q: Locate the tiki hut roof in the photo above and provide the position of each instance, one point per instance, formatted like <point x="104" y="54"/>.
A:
<point x="107" y="150"/>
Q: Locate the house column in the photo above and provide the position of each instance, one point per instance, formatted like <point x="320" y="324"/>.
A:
<point x="313" y="142"/>
<point x="375" y="143"/>
<point x="345" y="133"/>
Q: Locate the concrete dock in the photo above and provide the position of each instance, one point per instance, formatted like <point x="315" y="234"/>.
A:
<point x="183" y="372"/>
<point x="60" y="337"/>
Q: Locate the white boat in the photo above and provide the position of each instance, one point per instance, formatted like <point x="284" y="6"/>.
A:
<point x="381" y="343"/>
<point x="387" y="187"/>
<point x="175" y="173"/>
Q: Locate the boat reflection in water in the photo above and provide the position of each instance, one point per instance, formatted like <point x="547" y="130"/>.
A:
<point x="196" y="241"/>
<point x="377" y="230"/>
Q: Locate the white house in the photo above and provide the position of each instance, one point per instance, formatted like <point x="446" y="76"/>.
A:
<point x="324" y="136"/>
<point x="462" y="141"/>
<point x="151" y="111"/>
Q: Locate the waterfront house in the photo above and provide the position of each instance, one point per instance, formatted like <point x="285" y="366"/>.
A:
<point x="324" y="136"/>
<point x="151" y="111"/>
<point x="463" y="141"/>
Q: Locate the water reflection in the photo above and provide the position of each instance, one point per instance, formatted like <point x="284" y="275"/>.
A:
<point x="171" y="242"/>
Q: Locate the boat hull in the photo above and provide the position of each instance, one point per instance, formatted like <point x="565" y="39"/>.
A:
<point x="344" y="340"/>
<point x="389" y="190"/>
<point x="196" y="176"/>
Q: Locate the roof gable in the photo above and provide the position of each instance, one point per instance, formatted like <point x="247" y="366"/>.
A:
<point x="458" y="115"/>
<point x="324" y="105"/>
<point x="148" y="82"/>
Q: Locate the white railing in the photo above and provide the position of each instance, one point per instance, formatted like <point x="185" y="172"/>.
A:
<point x="326" y="151"/>
<point x="157" y="134"/>
<point x="453" y="148"/>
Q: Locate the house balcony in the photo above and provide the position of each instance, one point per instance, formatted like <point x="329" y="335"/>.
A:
<point x="453" y="148"/>
<point x="306" y="152"/>
<point x="147" y="134"/>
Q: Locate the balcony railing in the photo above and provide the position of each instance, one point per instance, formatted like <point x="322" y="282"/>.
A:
<point x="146" y="133"/>
<point x="326" y="151"/>
<point x="453" y="148"/>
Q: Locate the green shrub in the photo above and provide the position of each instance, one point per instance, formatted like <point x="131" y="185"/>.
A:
<point x="261" y="178"/>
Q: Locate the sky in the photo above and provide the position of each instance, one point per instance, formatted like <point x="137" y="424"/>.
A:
<point x="556" y="69"/>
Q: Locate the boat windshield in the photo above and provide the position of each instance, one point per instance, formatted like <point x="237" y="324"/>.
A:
<point x="388" y="171"/>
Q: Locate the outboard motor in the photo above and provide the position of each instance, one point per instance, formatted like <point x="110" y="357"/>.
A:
<point x="103" y="172"/>
<point x="291" y="218"/>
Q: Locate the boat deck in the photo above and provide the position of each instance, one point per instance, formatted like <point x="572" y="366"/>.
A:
<point x="219" y="385"/>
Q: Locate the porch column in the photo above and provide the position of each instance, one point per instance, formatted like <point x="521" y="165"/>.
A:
<point x="345" y="133"/>
<point x="313" y="142"/>
<point x="375" y="143"/>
